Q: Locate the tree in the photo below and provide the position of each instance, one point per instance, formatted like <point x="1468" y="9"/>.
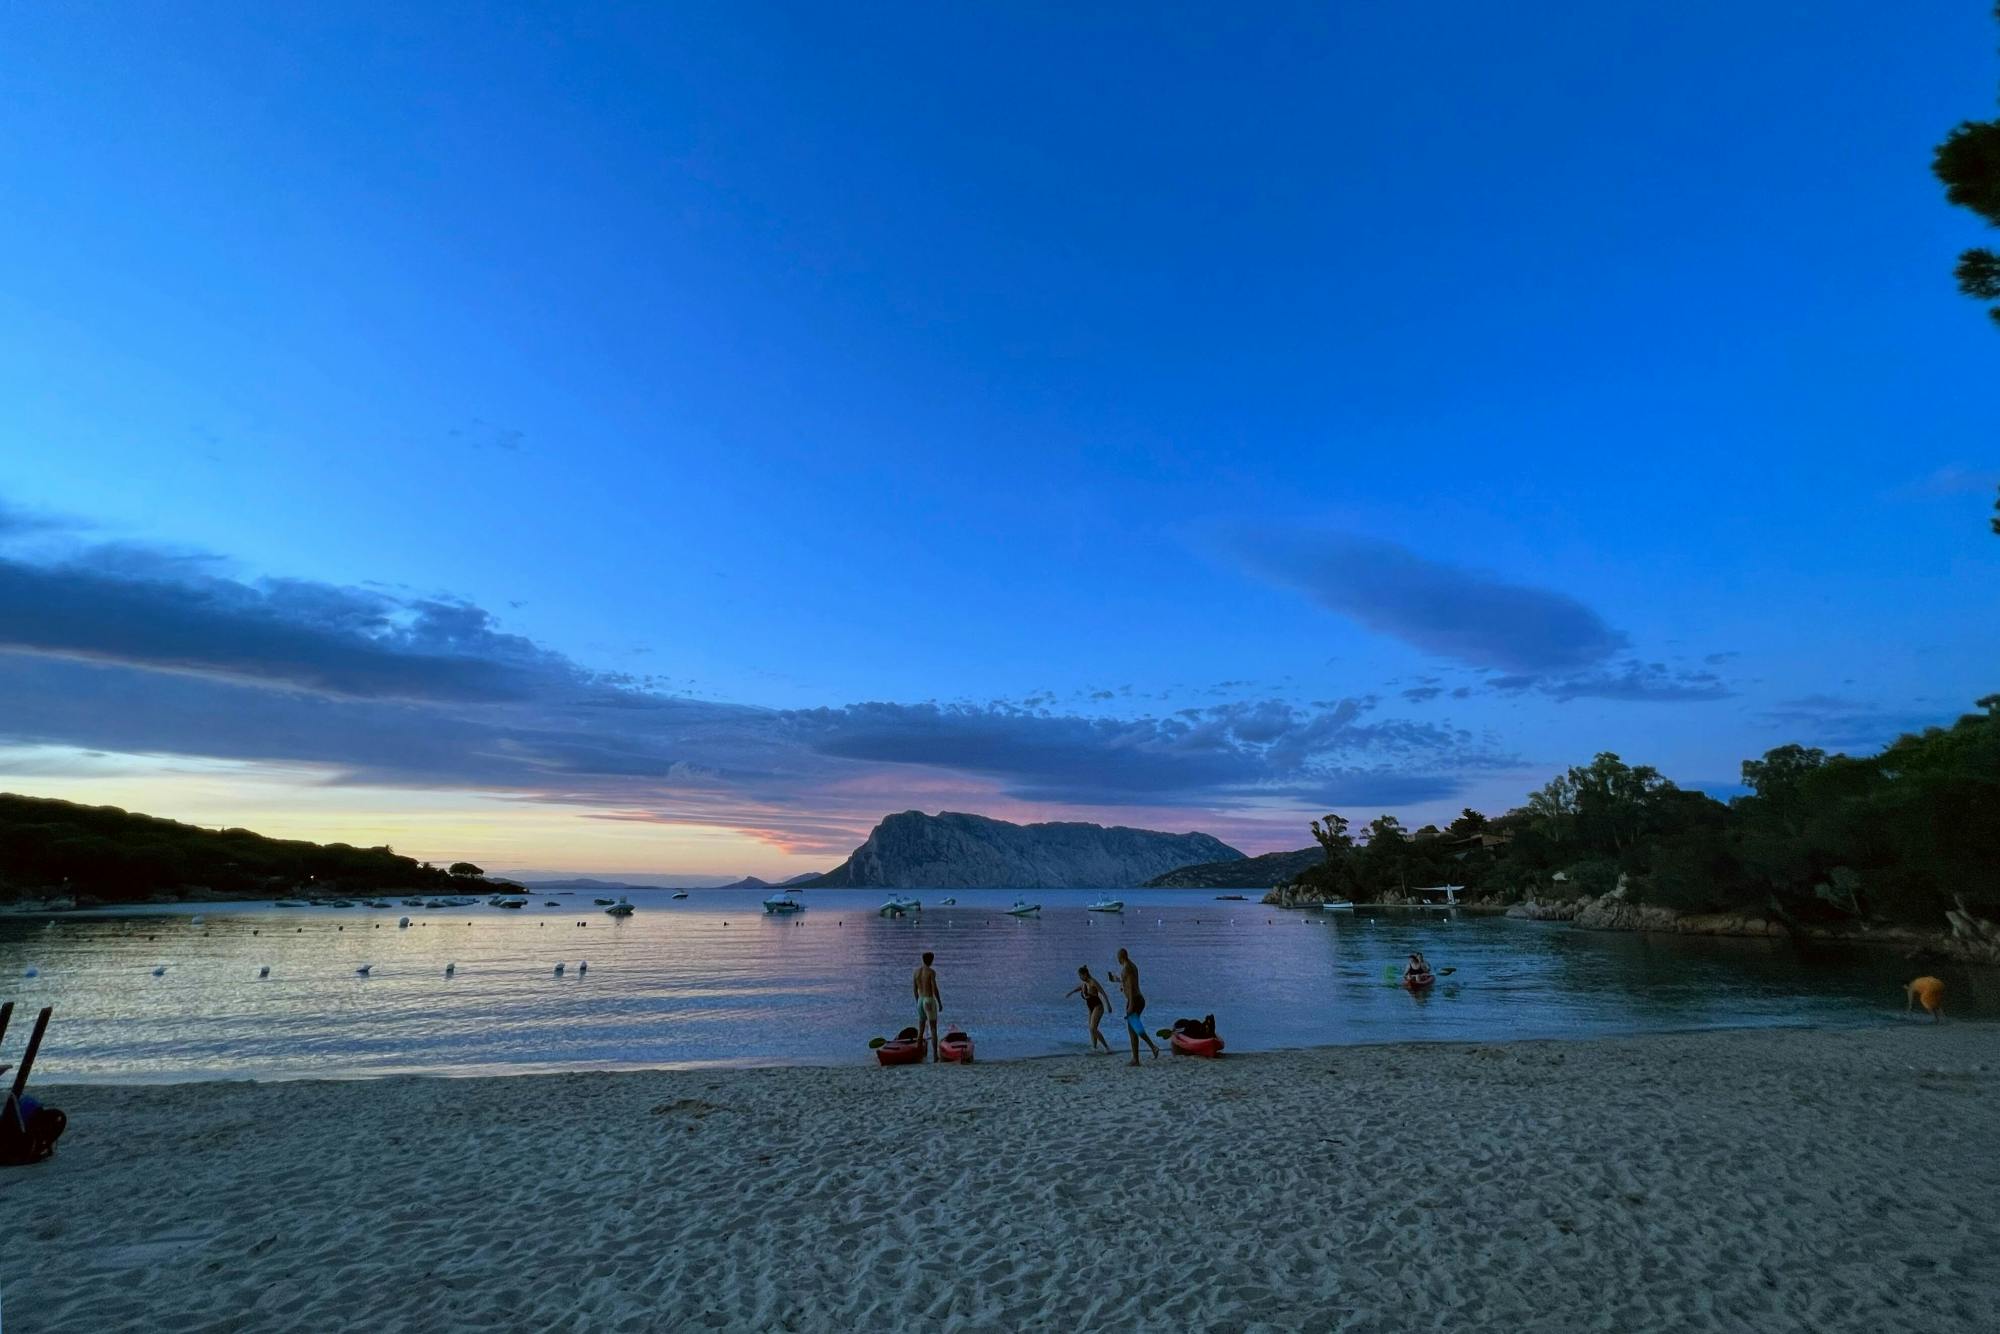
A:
<point x="1332" y="837"/>
<point x="465" y="869"/>
<point x="1968" y="163"/>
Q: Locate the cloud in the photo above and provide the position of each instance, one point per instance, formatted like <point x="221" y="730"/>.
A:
<point x="1636" y="682"/>
<point x="1471" y="617"/>
<point x="1952" y="480"/>
<point x="1842" y="723"/>
<point x="119" y="605"/>
<point x="135" y="650"/>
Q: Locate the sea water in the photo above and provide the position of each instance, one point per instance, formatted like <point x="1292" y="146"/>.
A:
<point x="713" y="980"/>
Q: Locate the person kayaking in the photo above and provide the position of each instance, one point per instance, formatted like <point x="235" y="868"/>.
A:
<point x="924" y="983"/>
<point x="1418" y="970"/>
<point x="1095" y="1001"/>
<point x="1127" y="979"/>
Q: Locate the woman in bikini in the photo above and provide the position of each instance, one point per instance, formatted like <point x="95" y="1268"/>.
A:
<point x="1095" y="1000"/>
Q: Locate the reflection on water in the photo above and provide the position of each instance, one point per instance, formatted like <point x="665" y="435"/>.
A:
<point x="712" y="980"/>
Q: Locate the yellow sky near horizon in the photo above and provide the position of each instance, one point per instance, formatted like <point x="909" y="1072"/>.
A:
<point x="438" y="825"/>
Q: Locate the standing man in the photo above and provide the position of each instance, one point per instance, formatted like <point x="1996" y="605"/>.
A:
<point x="924" y="983"/>
<point x="1135" y="1004"/>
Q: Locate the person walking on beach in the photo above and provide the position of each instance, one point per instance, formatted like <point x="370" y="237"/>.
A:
<point x="1095" y="1001"/>
<point x="924" y="983"/>
<point x="1135" y="1005"/>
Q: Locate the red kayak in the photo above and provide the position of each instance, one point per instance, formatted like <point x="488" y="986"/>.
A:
<point x="1188" y="1046"/>
<point x="955" y="1047"/>
<point x="1419" y="983"/>
<point x="900" y="1051"/>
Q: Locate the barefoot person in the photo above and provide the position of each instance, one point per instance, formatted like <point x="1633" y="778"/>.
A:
<point x="1135" y="1005"/>
<point x="1095" y="1001"/>
<point x="924" y="983"/>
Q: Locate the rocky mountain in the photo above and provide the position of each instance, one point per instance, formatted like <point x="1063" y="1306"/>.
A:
<point x="951" y="850"/>
<point x="1273" y="868"/>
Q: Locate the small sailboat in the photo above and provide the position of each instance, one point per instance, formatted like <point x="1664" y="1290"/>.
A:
<point x="1023" y="908"/>
<point x="1106" y="905"/>
<point x="786" y="902"/>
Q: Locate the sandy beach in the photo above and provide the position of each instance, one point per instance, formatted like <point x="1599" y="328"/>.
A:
<point x="1768" y="1180"/>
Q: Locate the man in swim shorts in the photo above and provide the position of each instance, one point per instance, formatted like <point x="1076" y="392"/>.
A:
<point x="1135" y="1005"/>
<point x="924" y="983"/>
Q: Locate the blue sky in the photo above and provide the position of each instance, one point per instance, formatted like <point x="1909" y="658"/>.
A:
<point x="1164" y="416"/>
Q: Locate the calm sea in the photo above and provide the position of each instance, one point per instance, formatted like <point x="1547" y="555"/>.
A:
<point x="712" y="980"/>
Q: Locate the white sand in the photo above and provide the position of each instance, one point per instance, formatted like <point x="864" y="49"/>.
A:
<point x="1754" y="1181"/>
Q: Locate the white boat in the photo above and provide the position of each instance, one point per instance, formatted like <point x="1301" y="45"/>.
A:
<point x="1337" y="905"/>
<point x="786" y="902"/>
<point x="511" y="903"/>
<point x="413" y="903"/>
<point x="1438" y="898"/>
<point x="947" y="903"/>
<point x="681" y="894"/>
<point x="620" y="909"/>
<point x="1023" y="908"/>
<point x="603" y="903"/>
<point x="898" y="906"/>
<point x="1106" y="905"/>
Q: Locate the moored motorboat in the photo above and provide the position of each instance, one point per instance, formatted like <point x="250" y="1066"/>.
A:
<point x="1023" y="908"/>
<point x="898" y="905"/>
<point x="291" y="903"/>
<point x="619" y="909"/>
<point x="1106" y="905"/>
<point x="680" y="893"/>
<point x="604" y="903"/>
<point x="1337" y="905"/>
<point x="785" y="902"/>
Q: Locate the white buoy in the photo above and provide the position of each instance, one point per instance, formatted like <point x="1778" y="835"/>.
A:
<point x="161" y="971"/>
<point x="265" y="971"/>
<point x="559" y="970"/>
<point x="362" y="971"/>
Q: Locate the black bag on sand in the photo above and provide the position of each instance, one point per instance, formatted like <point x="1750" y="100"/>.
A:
<point x="30" y="1139"/>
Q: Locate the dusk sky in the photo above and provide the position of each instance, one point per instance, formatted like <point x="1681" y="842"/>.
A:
<point x="666" y="438"/>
